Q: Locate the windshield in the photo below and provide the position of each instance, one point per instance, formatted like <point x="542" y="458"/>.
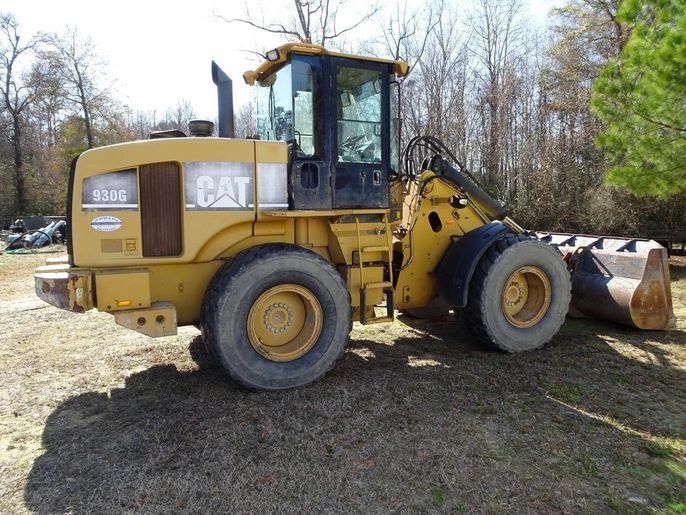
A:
<point x="286" y="105"/>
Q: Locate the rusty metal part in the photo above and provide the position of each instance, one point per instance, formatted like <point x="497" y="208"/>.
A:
<point x="617" y="279"/>
<point x="64" y="287"/>
<point x="157" y="320"/>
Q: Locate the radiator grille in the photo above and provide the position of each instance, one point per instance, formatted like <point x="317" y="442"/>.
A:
<point x="160" y="198"/>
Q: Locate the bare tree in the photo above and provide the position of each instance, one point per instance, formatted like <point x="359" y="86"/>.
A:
<point x="315" y="21"/>
<point x="246" y="121"/>
<point x="434" y="94"/>
<point x="407" y="31"/>
<point x="50" y="103"/>
<point x="178" y="116"/>
<point x="18" y="93"/>
<point x="75" y="62"/>
<point x="141" y="123"/>
<point x="497" y="41"/>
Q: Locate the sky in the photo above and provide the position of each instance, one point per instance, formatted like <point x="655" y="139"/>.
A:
<point x="158" y="53"/>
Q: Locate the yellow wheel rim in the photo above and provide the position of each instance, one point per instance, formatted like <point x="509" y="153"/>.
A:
<point x="526" y="296"/>
<point x="285" y="322"/>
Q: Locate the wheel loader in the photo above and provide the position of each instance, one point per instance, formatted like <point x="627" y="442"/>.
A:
<point x="274" y="245"/>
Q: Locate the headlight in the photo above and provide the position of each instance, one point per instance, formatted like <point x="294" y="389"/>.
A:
<point x="273" y="55"/>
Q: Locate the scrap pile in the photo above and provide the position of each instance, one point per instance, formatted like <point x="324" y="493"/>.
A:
<point x="26" y="235"/>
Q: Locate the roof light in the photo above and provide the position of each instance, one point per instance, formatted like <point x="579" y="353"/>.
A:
<point x="273" y="55"/>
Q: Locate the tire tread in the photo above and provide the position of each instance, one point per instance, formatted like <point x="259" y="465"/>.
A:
<point x="475" y="311"/>
<point x="237" y="267"/>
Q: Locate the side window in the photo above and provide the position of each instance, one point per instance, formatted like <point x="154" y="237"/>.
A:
<point x="288" y="105"/>
<point x="305" y="90"/>
<point x="395" y="125"/>
<point x="114" y="191"/>
<point x="275" y="106"/>
<point x="358" y="101"/>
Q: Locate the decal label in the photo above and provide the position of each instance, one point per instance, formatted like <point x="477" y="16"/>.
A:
<point x="227" y="186"/>
<point x="215" y="186"/>
<point x="272" y="186"/>
<point x="106" y="223"/>
<point x="110" y="191"/>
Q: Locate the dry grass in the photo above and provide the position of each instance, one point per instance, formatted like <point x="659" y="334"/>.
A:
<point x="94" y="418"/>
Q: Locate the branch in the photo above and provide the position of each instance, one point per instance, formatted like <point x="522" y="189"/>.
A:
<point x="303" y="23"/>
<point x="258" y="54"/>
<point x="280" y="29"/>
<point x="351" y="27"/>
<point x="661" y="124"/>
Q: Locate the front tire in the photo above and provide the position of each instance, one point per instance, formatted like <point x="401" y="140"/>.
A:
<point x="278" y="316"/>
<point x="519" y="295"/>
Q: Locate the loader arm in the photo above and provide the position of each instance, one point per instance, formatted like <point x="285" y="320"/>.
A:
<point x="621" y="280"/>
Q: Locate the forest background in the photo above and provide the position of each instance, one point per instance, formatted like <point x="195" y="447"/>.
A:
<point x="577" y="126"/>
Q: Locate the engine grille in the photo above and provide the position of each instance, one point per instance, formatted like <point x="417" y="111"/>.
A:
<point x="160" y="199"/>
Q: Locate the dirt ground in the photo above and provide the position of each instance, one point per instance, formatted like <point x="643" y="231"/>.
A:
<point x="95" y="418"/>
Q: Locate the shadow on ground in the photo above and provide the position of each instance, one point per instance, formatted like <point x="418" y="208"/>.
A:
<point x="428" y="422"/>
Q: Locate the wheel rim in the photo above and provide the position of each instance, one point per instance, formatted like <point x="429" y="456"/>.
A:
<point x="526" y="296"/>
<point x="285" y="322"/>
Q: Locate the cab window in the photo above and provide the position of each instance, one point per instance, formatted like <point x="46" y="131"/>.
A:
<point x="287" y="105"/>
<point x="359" y="115"/>
<point x="275" y="106"/>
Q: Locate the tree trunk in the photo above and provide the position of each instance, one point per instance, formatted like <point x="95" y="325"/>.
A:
<point x="86" y="111"/>
<point x="87" y="125"/>
<point x="493" y="156"/>
<point x="18" y="166"/>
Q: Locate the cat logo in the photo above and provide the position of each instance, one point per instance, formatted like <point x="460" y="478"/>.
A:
<point x="218" y="186"/>
<point x="222" y="192"/>
<point x="226" y="186"/>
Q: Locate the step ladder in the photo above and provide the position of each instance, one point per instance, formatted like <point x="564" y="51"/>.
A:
<point x="386" y="285"/>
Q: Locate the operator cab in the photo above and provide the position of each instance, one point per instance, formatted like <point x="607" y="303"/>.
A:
<point x="339" y="115"/>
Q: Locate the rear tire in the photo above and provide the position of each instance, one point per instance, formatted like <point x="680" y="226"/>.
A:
<point x="519" y="295"/>
<point x="278" y="316"/>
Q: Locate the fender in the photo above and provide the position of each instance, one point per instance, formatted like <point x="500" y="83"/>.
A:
<point x="70" y="202"/>
<point x="459" y="262"/>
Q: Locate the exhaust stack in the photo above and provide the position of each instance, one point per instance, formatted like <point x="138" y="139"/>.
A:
<point x="224" y="101"/>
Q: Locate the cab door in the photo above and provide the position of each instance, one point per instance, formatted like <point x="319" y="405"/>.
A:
<point x="360" y="157"/>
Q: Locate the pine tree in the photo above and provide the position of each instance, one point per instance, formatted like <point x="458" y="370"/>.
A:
<point x="641" y="98"/>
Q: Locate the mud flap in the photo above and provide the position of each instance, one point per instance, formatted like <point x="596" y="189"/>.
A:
<point x="622" y="280"/>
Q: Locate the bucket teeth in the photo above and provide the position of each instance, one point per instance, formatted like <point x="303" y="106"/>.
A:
<point x="618" y="279"/>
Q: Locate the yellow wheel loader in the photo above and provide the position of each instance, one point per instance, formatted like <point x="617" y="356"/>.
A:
<point x="274" y="245"/>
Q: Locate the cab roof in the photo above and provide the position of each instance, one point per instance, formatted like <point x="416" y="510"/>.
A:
<point x="279" y="55"/>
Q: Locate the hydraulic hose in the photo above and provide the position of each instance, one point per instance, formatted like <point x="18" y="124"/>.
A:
<point x="491" y="206"/>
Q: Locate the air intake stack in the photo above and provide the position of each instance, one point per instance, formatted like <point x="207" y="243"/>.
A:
<point x="224" y="101"/>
